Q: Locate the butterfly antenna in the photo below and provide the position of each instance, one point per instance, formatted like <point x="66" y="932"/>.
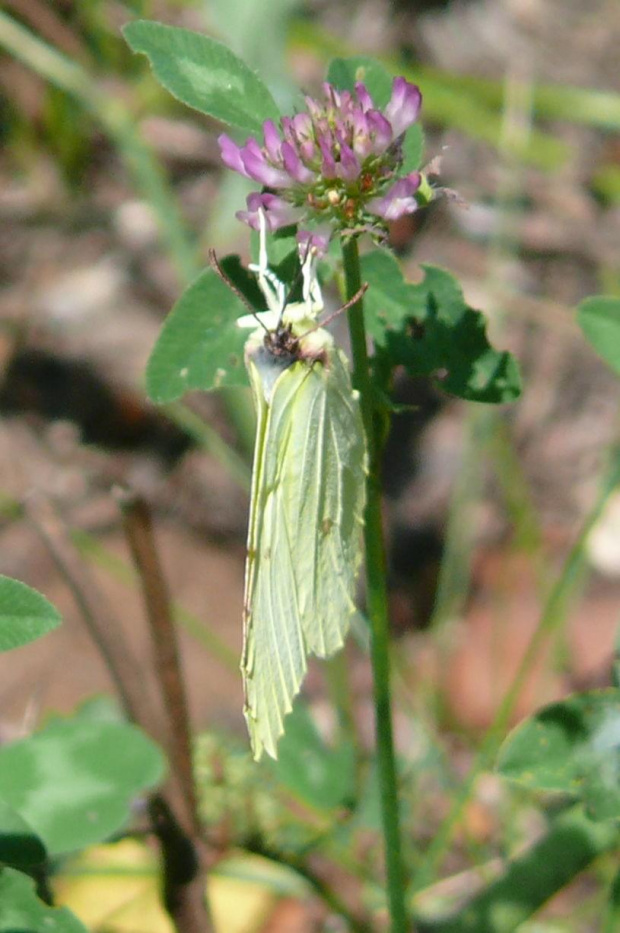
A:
<point x="215" y="265"/>
<point x="345" y="307"/>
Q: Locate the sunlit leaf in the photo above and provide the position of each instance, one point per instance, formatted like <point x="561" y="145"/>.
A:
<point x="116" y="888"/>
<point x="413" y="149"/>
<point x="21" y="911"/>
<point x="200" y="345"/>
<point x="526" y="881"/>
<point x="24" y="614"/>
<point x="431" y="331"/>
<point x="599" y="319"/>
<point x="204" y="74"/>
<point x="573" y="747"/>
<point x="344" y="73"/>
<point x="74" y="781"/>
<point x="19" y="845"/>
<point x="321" y="776"/>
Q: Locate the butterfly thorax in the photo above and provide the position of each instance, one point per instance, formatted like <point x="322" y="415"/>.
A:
<point x="283" y="344"/>
<point x="272" y="352"/>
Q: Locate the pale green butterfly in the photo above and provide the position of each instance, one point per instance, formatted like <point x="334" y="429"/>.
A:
<point x="308" y="497"/>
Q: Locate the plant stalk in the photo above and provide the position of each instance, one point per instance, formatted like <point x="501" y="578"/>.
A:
<point x="376" y="596"/>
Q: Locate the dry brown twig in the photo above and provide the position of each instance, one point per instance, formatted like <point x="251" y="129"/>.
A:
<point x="173" y="809"/>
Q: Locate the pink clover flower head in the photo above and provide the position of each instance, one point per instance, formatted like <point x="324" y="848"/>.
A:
<point x="338" y="163"/>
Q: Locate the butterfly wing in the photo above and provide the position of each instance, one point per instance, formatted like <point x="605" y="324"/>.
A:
<point x="325" y="500"/>
<point x="274" y="660"/>
<point x="304" y="536"/>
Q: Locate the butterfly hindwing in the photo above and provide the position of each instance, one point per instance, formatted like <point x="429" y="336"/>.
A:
<point x="304" y="536"/>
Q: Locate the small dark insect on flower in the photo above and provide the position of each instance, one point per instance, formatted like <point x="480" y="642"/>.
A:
<point x="335" y="165"/>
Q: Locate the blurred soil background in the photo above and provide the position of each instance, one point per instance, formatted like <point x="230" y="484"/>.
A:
<point x="87" y="277"/>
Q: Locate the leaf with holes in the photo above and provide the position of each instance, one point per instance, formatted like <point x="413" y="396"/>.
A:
<point x="431" y="331"/>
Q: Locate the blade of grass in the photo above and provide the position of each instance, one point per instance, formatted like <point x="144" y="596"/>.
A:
<point x="571" y="844"/>
<point x="212" y="442"/>
<point x="147" y="173"/>
<point x="551" y="621"/>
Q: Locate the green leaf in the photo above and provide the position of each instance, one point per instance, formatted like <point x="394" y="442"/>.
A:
<point x="200" y="345"/>
<point x="573" y="747"/>
<point x="413" y="149"/>
<point x="321" y="776"/>
<point x="599" y="319"/>
<point x="19" y="845"/>
<point x="344" y="73"/>
<point x="74" y="781"/>
<point x="24" y="614"/>
<point x="528" y="880"/>
<point x="257" y="31"/>
<point x="612" y="913"/>
<point x="431" y="331"/>
<point x="21" y="911"/>
<point x="204" y="74"/>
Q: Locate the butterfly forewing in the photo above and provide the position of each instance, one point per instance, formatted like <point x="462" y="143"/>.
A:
<point x="304" y="536"/>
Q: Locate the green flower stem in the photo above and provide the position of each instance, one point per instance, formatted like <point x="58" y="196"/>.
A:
<point x="377" y="604"/>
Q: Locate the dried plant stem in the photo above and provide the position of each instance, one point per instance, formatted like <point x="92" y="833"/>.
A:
<point x="138" y="529"/>
<point x="182" y="848"/>
<point x="181" y="839"/>
<point x="135" y="692"/>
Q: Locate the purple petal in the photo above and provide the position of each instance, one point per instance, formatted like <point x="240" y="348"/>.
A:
<point x="404" y="105"/>
<point x="257" y="167"/>
<point x="380" y="132"/>
<point x="302" y="126"/>
<point x="287" y="128"/>
<point x="231" y="154"/>
<point x="328" y="163"/>
<point x="316" y="240"/>
<point x="278" y="212"/>
<point x="362" y="143"/>
<point x="346" y="101"/>
<point x="272" y="140"/>
<point x="398" y="200"/>
<point x="314" y="108"/>
<point x="349" y="166"/>
<point x="294" y="166"/>
<point x="307" y="151"/>
<point x="364" y="97"/>
<point x="331" y="94"/>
